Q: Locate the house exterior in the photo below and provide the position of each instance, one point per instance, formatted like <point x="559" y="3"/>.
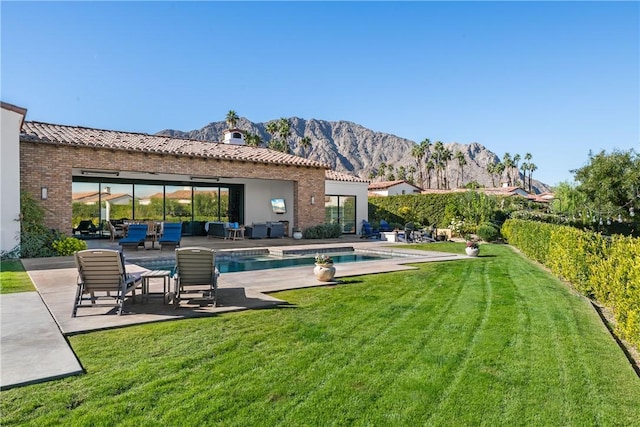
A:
<point x="346" y="200"/>
<point x="12" y="119"/>
<point x="392" y="188"/>
<point x="85" y="173"/>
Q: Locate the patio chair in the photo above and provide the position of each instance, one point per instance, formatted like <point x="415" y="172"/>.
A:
<point x="85" y="227"/>
<point x="171" y="235"/>
<point x="136" y="236"/>
<point x="384" y="226"/>
<point x="367" y="232"/>
<point x="114" y="232"/>
<point x="195" y="269"/>
<point x="103" y="271"/>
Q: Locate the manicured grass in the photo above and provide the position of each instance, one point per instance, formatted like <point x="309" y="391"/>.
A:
<point x="488" y="341"/>
<point x="13" y="278"/>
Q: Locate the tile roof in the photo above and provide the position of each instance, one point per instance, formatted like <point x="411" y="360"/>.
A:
<point x="383" y="185"/>
<point x="47" y="133"/>
<point x="341" y="176"/>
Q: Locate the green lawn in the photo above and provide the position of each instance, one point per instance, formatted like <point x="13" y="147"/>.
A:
<point x="489" y="341"/>
<point x="13" y="278"/>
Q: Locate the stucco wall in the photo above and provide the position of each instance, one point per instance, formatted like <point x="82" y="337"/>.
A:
<point x="52" y="164"/>
<point x="9" y="180"/>
<point x="358" y="189"/>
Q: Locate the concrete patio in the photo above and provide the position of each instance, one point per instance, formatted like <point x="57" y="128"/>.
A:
<point x="47" y="313"/>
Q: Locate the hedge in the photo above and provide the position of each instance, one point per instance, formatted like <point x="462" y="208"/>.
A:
<point x="601" y="268"/>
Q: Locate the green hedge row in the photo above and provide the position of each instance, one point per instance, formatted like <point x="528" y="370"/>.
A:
<point x="602" y="268"/>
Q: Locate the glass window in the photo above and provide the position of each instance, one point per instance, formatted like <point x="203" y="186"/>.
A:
<point x="206" y="204"/>
<point x="178" y="203"/>
<point x="85" y="198"/>
<point x="149" y="202"/>
<point x="341" y="210"/>
<point x="117" y="201"/>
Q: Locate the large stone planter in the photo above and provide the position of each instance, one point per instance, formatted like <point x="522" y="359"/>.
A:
<point x="324" y="272"/>
<point x="297" y="235"/>
<point x="472" y="251"/>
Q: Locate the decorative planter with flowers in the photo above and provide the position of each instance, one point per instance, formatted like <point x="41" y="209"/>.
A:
<point x="472" y="249"/>
<point x="324" y="270"/>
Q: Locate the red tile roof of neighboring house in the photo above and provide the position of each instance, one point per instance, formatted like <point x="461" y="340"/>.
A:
<point x="383" y="185"/>
<point x="92" y="196"/>
<point x="341" y="176"/>
<point x="88" y="137"/>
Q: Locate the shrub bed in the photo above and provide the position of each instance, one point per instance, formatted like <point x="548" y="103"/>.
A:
<point x="602" y="268"/>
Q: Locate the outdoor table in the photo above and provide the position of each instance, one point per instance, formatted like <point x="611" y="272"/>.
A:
<point x="156" y="274"/>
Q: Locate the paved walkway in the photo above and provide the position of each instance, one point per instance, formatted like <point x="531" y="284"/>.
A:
<point x="33" y="324"/>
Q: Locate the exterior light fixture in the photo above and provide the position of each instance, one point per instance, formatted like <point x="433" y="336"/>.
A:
<point x="44" y="193"/>
<point x="205" y="178"/>
<point x="313" y="200"/>
<point x="98" y="172"/>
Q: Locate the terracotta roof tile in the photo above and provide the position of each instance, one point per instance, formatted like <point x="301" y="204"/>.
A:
<point x="88" y="137"/>
<point x="341" y="176"/>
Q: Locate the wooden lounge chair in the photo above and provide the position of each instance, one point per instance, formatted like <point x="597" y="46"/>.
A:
<point x="171" y="235"/>
<point x="195" y="273"/>
<point x="102" y="271"/>
<point x="136" y="236"/>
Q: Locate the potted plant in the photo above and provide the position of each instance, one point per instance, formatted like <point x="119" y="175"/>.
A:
<point x="472" y="248"/>
<point x="324" y="270"/>
<point x="297" y="233"/>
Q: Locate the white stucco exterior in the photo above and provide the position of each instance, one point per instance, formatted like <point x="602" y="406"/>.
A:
<point x="357" y="189"/>
<point x="396" y="189"/>
<point x="12" y="118"/>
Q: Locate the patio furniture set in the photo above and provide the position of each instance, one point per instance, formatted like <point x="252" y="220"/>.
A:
<point x="102" y="275"/>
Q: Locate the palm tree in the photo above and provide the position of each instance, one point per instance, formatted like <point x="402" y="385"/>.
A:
<point x="508" y="165"/>
<point x="382" y="170"/>
<point x="412" y="172"/>
<point x="516" y="159"/>
<point x="459" y="156"/>
<point x="232" y="119"/>
<point x="280" y="131"/>
<point x="527" y="158"/>
<point x="305" y="143"/>
<point x="430" y="167"/>
<point x="438" y="154"/>
<point x="532" y="167"/>
<point x="253" y="139"/>
<point x="524" y="167"/>
<point x="417" y="152"/>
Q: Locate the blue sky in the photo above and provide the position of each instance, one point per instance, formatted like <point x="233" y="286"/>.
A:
<point x="556" y="79"/>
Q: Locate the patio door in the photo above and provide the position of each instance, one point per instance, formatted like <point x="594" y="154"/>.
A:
<point x="341" y="210"/>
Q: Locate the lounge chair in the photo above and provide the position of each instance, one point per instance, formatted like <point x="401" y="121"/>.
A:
<point x="85" y="227"/>
<point x="384" y="226"/>
<point x="171" y="235"/>
<point x="136" y="236"/>
<point x="367" y="232"/>
<point x="195" y="268"/>
<point x="102" y="271"/>
<point x="114" y="232"/>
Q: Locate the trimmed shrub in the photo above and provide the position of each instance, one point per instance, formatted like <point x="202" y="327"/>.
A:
<point x="488" y="232"/>
<point x="323" y="231"/>
<point x="68" y="246"/>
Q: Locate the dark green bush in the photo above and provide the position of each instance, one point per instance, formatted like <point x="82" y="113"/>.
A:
<point x="323" y="231"/>
<point x="488" y="232"/>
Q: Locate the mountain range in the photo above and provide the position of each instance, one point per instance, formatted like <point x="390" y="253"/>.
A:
<point x="352" y="148"/>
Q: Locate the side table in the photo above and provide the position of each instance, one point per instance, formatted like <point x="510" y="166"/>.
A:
<point x="156" y="274"/>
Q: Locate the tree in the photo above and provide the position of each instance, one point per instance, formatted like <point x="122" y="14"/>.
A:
<point x="527" y="158"/>
<point x="305" y="143"/>
<point x="412" y="172"/>
<point x="430" y="167"/>
<point x="611" y="182"/>
<point x="507" y="161"/>
<point x="382" y="170"/>
<point x="524" y="167"/>
<point x="280" y="131"/>
<point x="253" y="139"/>
<point x="438" y="156"/>
<point x="231" y="119"/>
<point x="532" y="168"/>
<point x="417" y="152"/>
<point x="516" y="160"/>
<point x="459" y="156"/>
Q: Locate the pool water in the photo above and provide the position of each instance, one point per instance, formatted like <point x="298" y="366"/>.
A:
<point x="265" y="262"/>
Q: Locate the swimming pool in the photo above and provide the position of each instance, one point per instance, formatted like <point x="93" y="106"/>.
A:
<point x="264" y="262"/>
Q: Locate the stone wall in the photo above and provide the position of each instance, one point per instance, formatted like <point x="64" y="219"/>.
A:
<point x="51" y="166"/>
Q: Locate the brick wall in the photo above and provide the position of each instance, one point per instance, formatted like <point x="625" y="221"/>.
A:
<point x="51" y="166"/>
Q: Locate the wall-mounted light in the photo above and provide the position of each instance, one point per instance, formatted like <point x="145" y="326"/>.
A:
<point x="44" y="193"/>
<point x="97" y="172"/>
<point x="313" y="200"/>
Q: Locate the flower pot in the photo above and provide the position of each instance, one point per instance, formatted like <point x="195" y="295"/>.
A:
<point x="472" y="251"/>
<point x="297" y="235"/>
<point x="324" y="272"/>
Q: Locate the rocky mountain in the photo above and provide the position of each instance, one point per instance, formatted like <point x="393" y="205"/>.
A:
<point x="352" y="148"/>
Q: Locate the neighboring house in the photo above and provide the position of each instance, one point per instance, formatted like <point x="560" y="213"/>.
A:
<point x="346" y="201"/>
<point x="60" y="165"/>
<point x="392" y="188"/>
<point x="498" y="191"/>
